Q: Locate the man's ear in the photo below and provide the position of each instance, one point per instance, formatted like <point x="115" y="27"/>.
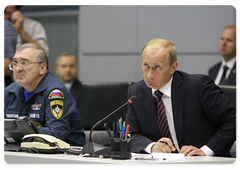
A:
<point x="43" y="68"/>
<point x="174" y="66"/>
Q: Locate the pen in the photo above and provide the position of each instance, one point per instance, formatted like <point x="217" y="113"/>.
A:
<point x="117" y="130"/>
<point x="120" y="123"/>
<point x="123" y="129"/>
<point x="127" y="131"/>
<point x="150" y="159"/>
<point x="114" y="128"/>
<point x="107" y="129"/>
<point x="163" y="142"/>
<point x="167" y="144"/>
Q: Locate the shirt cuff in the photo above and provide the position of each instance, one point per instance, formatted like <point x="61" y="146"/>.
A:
<point x="207" y="151"/>
<point x="148" y="148"/>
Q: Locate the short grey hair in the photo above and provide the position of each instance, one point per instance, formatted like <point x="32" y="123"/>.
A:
<point x="41" y="54"/>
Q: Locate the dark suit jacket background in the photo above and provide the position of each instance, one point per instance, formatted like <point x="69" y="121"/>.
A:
<point x="202" y="114"/>
<point x="213" y="71"/>
<point x="75" y="91"/>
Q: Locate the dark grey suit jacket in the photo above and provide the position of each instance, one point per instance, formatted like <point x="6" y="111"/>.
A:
<point x="76" y="91"/>
<point x="213" y="71"/>
<point x="202" y="114"/>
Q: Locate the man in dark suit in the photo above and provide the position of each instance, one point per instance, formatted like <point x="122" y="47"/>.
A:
<point x="66" y="69"/>
<point x="224" y="72"/>
<point x="201" y="119"/>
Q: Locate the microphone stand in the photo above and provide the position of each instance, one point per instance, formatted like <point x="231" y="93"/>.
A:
<point x="94" y="149"/>
<point x="96" y="124"/>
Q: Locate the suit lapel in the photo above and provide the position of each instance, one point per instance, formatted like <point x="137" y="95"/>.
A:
<point x="232" y="75"/>
<point x="214" y="71"/>
<point x="151" y="112"/>
<point x="177" y="106"/>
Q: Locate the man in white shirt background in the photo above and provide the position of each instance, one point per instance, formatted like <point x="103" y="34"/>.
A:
<point x="224" y="73"/>
<point x="66" y="69"/>
<point x="29" y="30"/>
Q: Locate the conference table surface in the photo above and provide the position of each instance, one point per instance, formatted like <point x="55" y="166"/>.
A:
<point x="34" y="158"/>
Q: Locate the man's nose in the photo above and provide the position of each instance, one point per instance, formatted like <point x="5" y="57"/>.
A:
<point x="223" y="42"/>
<point x="150" y="74"/>
<point x="68" y="68"/>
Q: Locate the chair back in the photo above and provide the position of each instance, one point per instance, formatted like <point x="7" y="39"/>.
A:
<point x="100" y="99"/>
<point x="230" y="92"/>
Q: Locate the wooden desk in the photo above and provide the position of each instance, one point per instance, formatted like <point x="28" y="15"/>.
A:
<point x="28" y="158"/>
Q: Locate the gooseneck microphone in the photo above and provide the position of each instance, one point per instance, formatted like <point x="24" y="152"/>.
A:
<point x="133" y="98"/>
<point x="91" y="147"/>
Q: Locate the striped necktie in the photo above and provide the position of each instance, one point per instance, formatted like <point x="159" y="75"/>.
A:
<point x="162" y="122"/>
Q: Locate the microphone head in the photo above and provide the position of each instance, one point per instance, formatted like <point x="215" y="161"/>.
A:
<point x="132" y="99"/>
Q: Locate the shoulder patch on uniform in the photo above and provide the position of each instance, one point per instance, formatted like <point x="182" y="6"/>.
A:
<point x="56" y="107"/>
<point x="56" y="94"/>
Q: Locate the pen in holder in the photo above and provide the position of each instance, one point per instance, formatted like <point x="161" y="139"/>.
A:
<point x="120" y="149"/>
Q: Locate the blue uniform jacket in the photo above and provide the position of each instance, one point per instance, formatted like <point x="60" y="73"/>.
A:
<point x="51" y="106"/>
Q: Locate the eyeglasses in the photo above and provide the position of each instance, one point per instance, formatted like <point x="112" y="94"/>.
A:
<point x="21" y="64"/>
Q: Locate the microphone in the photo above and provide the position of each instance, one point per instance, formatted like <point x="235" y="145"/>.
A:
<point x="94" y="149"/>
<point x="130" y="100"/>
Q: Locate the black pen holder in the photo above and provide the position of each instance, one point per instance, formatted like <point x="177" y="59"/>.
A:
<point x="120" y="149"/>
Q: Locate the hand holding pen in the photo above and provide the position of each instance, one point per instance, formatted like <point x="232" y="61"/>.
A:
<point x="164" y="145"/>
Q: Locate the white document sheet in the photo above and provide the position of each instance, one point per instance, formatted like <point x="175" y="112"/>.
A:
<point x="168" y="157"/>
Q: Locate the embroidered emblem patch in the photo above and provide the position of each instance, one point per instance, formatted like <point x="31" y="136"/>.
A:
<point x="56" y="94"/>
<point x="36" y="106"/>
<point x="56" y="108"/>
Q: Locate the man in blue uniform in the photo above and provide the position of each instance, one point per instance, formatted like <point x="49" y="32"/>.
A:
<point x="40" y="95"/>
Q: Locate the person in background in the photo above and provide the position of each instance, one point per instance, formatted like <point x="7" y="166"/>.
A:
<point x="10" y="41"/>
<point x="40" y="95"/>
<point x="178" y="112"/>
<point x="66" y="69"/>
<point x="224" y="72"/>
<point x="29" y="30"/>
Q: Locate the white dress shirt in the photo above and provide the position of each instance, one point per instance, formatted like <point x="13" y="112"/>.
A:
<point x="36" y="30"/>
<point x="229" y="64"/>
<point x="167" y="101"/>
<point x="69" y="85"/>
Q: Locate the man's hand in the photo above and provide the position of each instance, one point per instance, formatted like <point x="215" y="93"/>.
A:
<point x="162" y="147"/>
<point x="191" y="151"/>
<point x="17" y="20"/>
